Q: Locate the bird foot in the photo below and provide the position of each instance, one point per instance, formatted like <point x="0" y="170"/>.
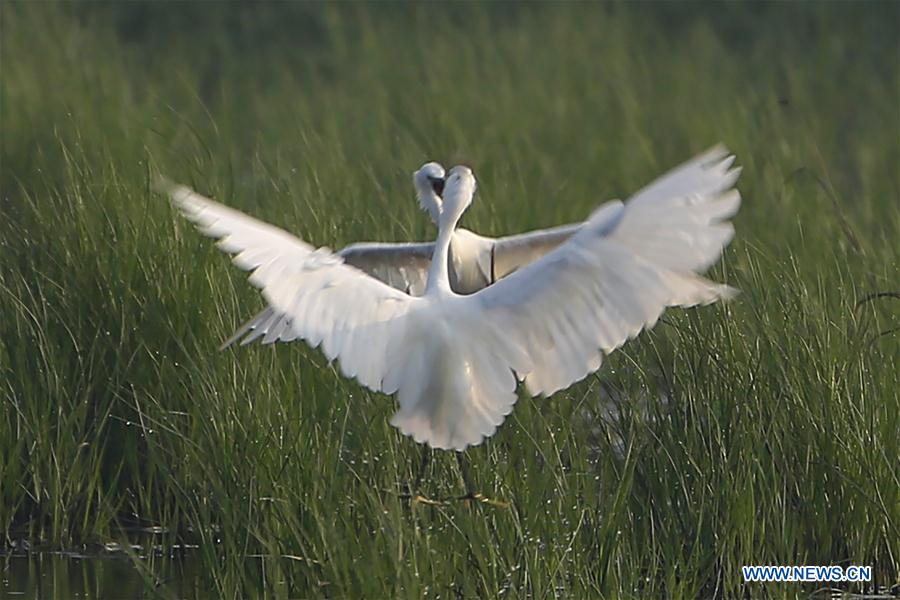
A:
<point x="420" y="499"/>
<point x="482" y="499"/>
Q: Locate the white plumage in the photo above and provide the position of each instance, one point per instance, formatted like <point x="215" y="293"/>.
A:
<point x="453" y="360"/>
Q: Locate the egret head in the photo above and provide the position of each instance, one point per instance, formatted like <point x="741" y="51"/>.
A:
<point x="429" y="184"/>
<point x="458" y="191"/>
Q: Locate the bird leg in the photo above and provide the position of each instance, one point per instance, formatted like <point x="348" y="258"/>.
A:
<point x="471" y="494"/>
<point x="414" y="494"/>
<point x="426" y="458"/>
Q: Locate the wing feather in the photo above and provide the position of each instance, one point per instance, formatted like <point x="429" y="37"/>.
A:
<point x="616" y="275"/>
<point x="401" y="266"/>
<point x="515" y="251"/>
<point x="312" y="293"/>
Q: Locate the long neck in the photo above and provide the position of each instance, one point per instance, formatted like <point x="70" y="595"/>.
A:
<point x="438" y="274"/>
<point x="431" y="203"/>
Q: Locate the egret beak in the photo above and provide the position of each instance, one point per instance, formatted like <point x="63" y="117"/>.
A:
<point x="437" y="184"/>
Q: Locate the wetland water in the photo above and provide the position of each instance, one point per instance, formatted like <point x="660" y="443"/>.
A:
<point x="108" y="571"/>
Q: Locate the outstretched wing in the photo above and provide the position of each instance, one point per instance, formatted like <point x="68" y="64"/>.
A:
<point x="401" y="266"/>
<point x="618" y="273"/>
<point x="322" y="300"/>
<point x="513" y="252"/>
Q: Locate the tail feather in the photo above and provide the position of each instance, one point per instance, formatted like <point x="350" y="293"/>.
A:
<point x="454" y="390"/>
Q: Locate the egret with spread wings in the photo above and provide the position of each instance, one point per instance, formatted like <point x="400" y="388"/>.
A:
<point x="454" y="361"/>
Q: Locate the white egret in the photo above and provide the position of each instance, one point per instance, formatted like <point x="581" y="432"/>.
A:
<point x="474" y="261"/>
<point x="454" y="361"/>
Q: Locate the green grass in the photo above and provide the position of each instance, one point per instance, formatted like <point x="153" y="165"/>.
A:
<point x="763" y="431"/>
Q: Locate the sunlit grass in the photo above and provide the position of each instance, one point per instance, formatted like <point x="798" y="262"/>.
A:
<point x="759" y="432"/>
